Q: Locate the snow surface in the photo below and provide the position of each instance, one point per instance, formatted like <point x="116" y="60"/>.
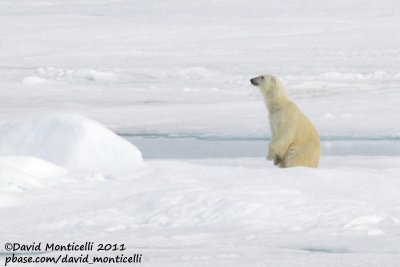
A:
<point x="78" y="144"/>
<point x="227" y="212"/>
<point x="180" y="69"/>
<point x="183" y="67"/>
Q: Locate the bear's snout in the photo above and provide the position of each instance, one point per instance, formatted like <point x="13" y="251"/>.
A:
<point x="254" y="81"/>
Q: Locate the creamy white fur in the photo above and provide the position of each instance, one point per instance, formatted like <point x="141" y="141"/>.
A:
<point x="295" y="141"/>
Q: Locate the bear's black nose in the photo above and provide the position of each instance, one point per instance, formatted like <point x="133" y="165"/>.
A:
<point x="254" y="81"/>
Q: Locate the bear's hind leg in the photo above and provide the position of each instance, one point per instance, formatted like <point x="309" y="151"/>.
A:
<point x="297" y="158"/>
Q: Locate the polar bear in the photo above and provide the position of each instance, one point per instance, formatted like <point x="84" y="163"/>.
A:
<point x="295" y="141"/>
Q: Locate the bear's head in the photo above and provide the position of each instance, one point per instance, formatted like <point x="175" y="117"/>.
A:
<point x="268" y="84"/>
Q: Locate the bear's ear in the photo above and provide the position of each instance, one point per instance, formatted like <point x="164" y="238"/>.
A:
<point x="273" y="79"/>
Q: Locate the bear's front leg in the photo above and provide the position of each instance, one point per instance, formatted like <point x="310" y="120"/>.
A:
<point x="279" y="145"/>
<point x="277" y="160"/>
<point x="270" y="156"/>
<point x="274" y="157"/>
<point x="276" y="152"/>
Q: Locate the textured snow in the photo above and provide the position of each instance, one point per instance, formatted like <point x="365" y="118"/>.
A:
<point x="229" y="212"/>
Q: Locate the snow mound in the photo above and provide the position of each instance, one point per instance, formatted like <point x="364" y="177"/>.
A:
<point x="32" y="166"/>
<point x="19" y="173"/>
<point x="79" y="144"/>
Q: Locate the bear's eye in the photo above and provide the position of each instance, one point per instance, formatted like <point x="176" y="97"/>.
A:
<point x="262" y="77"/>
